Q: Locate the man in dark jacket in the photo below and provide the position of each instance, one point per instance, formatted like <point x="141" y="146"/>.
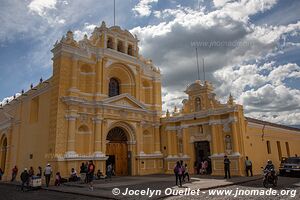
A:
<point x="24" y="178"/>
<point x="226" y="166"/>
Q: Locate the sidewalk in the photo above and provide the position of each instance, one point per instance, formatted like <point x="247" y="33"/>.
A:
<point x="103" y="189"/>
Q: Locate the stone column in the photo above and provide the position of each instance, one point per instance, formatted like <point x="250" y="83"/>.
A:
<point x="98" y="78"/>
<point x="71" y="136"/>
<point x="157" y="139"/>
<point x="139" y="134"/>
<point x="186" y="142"/>
<point x="74" y="70"/>
<point x="105" y="40"/>
<point x="235" y="139"/>
<point x="115" y="44"/>
<point x="103" y="73"/>
<point x="126" y="47"/>
<point x="98" y="138"/>
<point x="104" y="132"/>
<point x="169" y="142"/>
<point x="214" y="139"/>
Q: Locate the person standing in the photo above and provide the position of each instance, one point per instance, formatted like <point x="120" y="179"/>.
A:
<point x="40" y="171"/>
<point x="227" y="167"/>
<point x="90" y="174"/>
<point x="47" y="174"/>
<point x="14" y="173"/>
<point x="31" y="172"/>
<point x="248" y="165"/>
<point x="109" y="171"/>
<point x="57" y="179"/>
<point x="86" y="172"/>
<point x="24" y="178"/>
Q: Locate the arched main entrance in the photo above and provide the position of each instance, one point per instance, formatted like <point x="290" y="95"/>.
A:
<point x="3" y="146"/>
<point x="117" y="150"/>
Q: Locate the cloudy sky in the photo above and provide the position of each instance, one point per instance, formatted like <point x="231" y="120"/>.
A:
<point x="251" y="48"/>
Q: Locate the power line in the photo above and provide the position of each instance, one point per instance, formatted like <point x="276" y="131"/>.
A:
<point x="203" y="68"/>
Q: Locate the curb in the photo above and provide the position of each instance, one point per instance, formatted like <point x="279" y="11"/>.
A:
<point x="77" y="193"/>
<point x="160" y="197"/>
<point x="230" y="184"/>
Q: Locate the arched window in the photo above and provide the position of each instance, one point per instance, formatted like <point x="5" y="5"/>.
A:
<point x="197" y="104"/>
<point x="114" y="87"/>
<point x="110" y="43"/>
<point x="130" y="50"/>
<point x="120" y="46"/>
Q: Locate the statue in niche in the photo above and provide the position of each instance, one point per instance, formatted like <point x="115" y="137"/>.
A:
<point x="228" y="144"/>
<point x="197" y="104"/>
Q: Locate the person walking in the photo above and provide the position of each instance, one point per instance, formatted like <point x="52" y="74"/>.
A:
<point x="14" y="173"/>
<point x="90" y="174"/>
<point x="47" y="174"/>
<point x="186" y="173"/>
<point x="226" y="167"/>
<point x="25" y="179"/>
<point x="178" y="173"/>
<point x="248" y="165"/>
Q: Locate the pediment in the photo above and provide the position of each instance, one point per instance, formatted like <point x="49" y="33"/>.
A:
<point x="125" y="100"/>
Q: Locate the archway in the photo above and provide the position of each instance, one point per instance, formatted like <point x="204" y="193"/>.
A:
<point x="3" y="146"/>
<point x="117" y="150"/>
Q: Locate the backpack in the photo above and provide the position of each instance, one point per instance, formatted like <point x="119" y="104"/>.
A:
<point x="180" y="170"/>
<point x="176" y="170"/>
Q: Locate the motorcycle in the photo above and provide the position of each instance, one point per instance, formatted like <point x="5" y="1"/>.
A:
<point x="270" y="178"/>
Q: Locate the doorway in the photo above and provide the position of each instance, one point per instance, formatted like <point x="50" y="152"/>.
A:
<point x="202" y="153"/>
<point x="117" y="151"/>
<point x="3" y="153"/>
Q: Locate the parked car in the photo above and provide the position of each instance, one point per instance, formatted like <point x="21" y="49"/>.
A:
<point x="290" y="166"/>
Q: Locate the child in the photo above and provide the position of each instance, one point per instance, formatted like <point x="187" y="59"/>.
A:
<point x="57" y="179"/>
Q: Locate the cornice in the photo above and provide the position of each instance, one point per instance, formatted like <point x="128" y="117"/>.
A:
<point x="202" y="114"/>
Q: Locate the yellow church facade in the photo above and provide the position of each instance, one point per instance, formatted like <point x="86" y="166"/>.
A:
<point x="103" y="103"/>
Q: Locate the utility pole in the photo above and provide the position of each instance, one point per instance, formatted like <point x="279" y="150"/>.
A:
<point x="197" y="64"/>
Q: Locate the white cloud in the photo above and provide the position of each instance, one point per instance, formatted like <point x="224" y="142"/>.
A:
<point x="86" y="30"/>
<point x="241" y="10"/>
<point x="168" y="43"/>
<point x="41" y="6"/>
<point x="143" y="8"/>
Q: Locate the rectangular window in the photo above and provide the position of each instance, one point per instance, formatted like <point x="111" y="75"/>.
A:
<point x="34" y="110"/>
<point x="287" y="146"/>
<point x="279" y="150"/>
<point x="268" y="147"/>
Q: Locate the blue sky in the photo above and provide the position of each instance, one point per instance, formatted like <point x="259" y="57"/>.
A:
<point x="261" y="71"/>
